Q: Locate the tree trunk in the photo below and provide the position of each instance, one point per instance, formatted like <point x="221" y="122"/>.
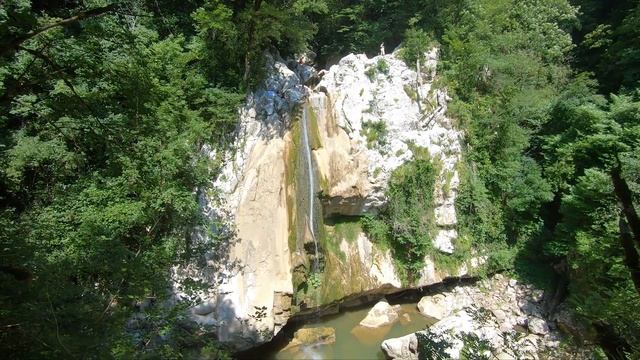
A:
<point x="631" y="258"/>
<point x="250" y="42"/>
<point x="613" y="345"/>
<point x="624" y="195"/>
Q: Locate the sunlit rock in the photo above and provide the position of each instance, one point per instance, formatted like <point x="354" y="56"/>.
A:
<point x="406" y="112"/>
<point x="402" y="348"/>
<point x="381" y="314"/>
<point x="444" y="240"/>
<point x="486" y="319"/>
<point x="312" y="336"/>
<point x="433" y="306"/>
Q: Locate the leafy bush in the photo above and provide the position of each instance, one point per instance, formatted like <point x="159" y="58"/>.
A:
<point x="314" y="280"/>
<point x="406" y="224"/>
<point x="375" y="133"/>
<point x="381" y="67"/>
<point x="416" y="43"/>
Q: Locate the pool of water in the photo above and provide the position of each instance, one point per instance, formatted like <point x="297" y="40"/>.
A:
<point x="354" y="341"/>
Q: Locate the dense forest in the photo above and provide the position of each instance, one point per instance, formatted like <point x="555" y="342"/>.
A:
<point x="110" y="110"/>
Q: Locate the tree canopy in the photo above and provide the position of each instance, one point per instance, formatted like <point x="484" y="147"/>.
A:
<point x="112" y="113"/>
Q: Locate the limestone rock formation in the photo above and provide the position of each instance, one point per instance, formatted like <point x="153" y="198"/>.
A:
<point x="250" y="275"/>
<point x="363" y="124"/>
<point x="354" y="162"/>
<point x="381" y="314"/>
<point x="433" y="306"/>
<point x="503" y="315"/>
<point x="537" y="325"/>
<point x="444" y="240"/>
<point x="402" y="348"/>
<point x="370" y="122"/>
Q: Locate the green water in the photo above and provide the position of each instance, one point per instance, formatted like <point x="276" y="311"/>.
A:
<point x="355" y="342"/>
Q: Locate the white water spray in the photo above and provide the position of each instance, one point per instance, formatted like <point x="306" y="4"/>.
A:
<point x="311" y="353"/>
<point x="307" y="151"/>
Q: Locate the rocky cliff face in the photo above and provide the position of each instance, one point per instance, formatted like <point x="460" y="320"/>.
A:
<point x="250" y="275"/>
<point x="367" y="118"/>
<point x="370" y="116"/>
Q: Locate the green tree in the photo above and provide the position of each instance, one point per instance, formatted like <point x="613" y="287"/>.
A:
<point x="406" y="224"/>
<point x="103" y="126"/>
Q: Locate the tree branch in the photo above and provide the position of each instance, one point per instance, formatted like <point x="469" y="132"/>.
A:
<point x="67" y="82"/>
<point x="14" y="43"/>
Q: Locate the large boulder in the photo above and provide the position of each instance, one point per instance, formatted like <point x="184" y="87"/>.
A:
<point x="537" y="325"/>
<point x="442" y="305"/>
<point x="402" y="348"/>
<point x="433" y="306"/>
<point x="381" y="314"/>
<point x="312" y="336"/>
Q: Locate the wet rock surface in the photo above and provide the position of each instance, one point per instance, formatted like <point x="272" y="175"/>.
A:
<point x="312" y="336"/>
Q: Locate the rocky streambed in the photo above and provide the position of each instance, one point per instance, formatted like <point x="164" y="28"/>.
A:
<point x="494" y="318"/>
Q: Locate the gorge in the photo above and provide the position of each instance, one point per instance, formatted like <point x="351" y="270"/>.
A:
<point x="284" y="179"/>
<point x="300" y="248"/>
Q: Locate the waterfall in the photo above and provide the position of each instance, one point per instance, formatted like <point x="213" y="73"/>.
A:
<point x="307" y="151"/>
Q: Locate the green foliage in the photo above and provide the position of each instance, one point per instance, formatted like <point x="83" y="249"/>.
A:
<point x="586" y="137"/>
<point x="432" y="346"/>
<point x="499" y="101"/>
<point x="344" y="227"/>
<point x="103" y="127"/>
<point x="416" y="42"/>
<point x="381" y="67"/>
<point x="235" y="35"/>
<point x="525" y="142"/>
<point x="479" y="217"/>
<point x="607" y="41"/>
<point x="475" y="348"/>
<point x="375" y="132"/>
<point x="104" y="122"/>
<point x="314" y="280"/>
<point x="600" y="284"/>
<point x="585" y="131"/>
<point x="377" y="229"/>
<point x="361" y="26"/>
<point x="406" y="225"/>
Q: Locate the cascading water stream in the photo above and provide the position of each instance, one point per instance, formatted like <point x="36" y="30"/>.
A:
<point x="307" y="151"/>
